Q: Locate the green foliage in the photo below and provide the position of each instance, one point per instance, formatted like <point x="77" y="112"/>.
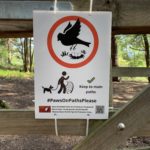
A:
<point x="3" y="56"/>
<point x="15" y="74"/>
<point x="3" y="105"/>
<point x="139" y="79"/>
<point x="12" y="53"/>
<point x="131" y="51"/>
<point x="64" y="53"/>
<point x="3" y="52"/>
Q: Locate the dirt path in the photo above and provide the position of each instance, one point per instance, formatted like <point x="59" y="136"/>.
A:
<point x="18" y="94"/>
<point x="125" y="91"/>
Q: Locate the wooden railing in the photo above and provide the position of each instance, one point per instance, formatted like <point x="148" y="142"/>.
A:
<point x="130" y="72"/>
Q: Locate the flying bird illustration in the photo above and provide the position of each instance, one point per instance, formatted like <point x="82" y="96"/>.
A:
<point x="69" y="37"/>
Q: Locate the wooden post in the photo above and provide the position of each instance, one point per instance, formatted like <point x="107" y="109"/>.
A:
<point x="110" y="88"/>
<point x="107" y="137"/>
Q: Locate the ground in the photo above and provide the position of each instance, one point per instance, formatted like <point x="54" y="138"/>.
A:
<point x="38" y="142"/>
<point x="124" y="91"/>
<point x="19" y="93"/>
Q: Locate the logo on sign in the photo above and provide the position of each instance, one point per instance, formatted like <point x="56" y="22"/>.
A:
<point x="44" y="109"/>
<point x="72" y="41"/>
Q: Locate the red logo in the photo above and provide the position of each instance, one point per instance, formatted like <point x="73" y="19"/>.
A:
<point x="44" y="109"/>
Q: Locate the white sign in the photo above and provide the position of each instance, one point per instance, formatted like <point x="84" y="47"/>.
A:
<point x="72" y="64"/>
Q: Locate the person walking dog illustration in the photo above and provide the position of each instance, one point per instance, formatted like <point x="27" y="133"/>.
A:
<point x="61" y="82"/>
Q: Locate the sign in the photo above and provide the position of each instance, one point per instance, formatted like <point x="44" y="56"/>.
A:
<point x="72" y="64"/>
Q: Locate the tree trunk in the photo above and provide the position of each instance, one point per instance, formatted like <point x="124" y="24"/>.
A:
<point x="31" y="55"/>
<point x="25" y="55"/>
<point x="147" y="56"/>
<point x="9" y="51"/>
<point x="114" y="55"/>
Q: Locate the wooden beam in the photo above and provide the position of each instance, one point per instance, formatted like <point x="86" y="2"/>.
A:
<point x="18" y="9"/>
<point x="16" y="34"/>
<point x="24" y="28"/>
<point x="135" y="116"/>
<point x="16" y="28"/>
<point x="23" y="9"/>
<point x="131" y="72"/>
<point x="131" y="30"/>
<point x="126" y="13"/>
<point x="24" y="122"/>
<point x="138" y="148"/>
<point x="133" y="14"/>
<point x="144" y="131"/>
<point x="8" y="25"/>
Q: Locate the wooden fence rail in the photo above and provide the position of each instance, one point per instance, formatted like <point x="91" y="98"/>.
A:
<point x="24" y="122"/>
<point x="130" y="72"/>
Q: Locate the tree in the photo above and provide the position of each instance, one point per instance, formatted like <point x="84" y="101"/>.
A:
<point x="130" y="50"/>
<point x="114" y="55"/>
<point x="147" y="54"/>
<point x="6" y="47"/>
<point x="9" y="48"/>
<point x="16" y="52"/>
<point x="31" y="54"/>
<point x="27" y="53"/>
<point x="25" y="48"/>
<point x="134" y="50"/>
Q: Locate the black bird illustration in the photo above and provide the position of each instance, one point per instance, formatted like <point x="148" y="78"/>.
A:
<point x="69" y="37"/>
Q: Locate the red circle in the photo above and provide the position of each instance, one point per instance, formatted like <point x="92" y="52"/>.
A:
<point x="51" y="50"/>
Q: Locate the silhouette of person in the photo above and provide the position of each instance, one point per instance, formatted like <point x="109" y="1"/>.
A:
<point x="61" y="82"/>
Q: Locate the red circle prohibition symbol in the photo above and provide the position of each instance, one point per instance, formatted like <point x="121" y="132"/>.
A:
<point x="51" y="50"/>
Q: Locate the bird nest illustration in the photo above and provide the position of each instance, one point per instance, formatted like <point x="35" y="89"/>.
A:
<point x="74" y="55"/>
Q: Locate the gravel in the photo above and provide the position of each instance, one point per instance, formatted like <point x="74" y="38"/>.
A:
<point x="38" y="142"/>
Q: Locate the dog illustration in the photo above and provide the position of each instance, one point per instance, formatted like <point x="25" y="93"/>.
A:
<point x="47" y="89"/>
